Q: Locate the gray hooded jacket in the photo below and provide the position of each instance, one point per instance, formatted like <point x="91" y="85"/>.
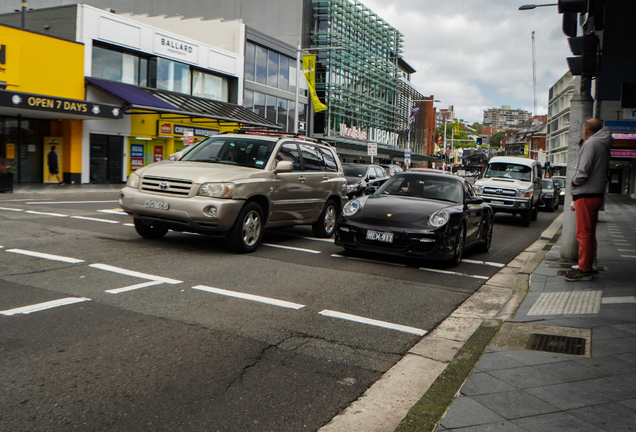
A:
<point x="590" y="177"/>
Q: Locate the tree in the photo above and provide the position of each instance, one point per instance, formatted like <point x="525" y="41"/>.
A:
<point x="477" y="126"/>
<point x="495" y="140"/>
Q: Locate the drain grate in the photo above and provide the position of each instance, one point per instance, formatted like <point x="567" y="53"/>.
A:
<point x="556" y="344"/>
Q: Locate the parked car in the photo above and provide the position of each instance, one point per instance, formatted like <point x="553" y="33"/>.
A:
<point x="559" y="181"/>
<point x="549" y="195"/>
<point x="361" y="176"/>
<point x="416" y="214"/>
<point x="236" y="186"/>
<point x="392" y="169"/>
<point x="512" y="185"/>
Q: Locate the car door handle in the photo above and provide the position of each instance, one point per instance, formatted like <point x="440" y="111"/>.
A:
<point x="325" y="178"/>
<point x="302" y="179"/>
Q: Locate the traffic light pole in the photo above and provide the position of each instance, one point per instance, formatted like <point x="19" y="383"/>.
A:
<point x="581" y="108"/>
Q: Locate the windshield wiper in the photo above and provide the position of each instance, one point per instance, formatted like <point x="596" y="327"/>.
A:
<point x="210" y="159"/>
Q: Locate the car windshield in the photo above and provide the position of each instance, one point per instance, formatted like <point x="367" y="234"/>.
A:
<point x="354" y="170"/>
<point x="559" y="183"/>
<point x="547" y="184"/>
<point x="509" y="170"/>
<point x="422" y="186"/>
<point x="230" y="150"/>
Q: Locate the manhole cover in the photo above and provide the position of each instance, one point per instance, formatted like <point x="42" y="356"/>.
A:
<point x="556" y="344"/>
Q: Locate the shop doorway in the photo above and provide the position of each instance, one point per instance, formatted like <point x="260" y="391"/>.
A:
<point x="106" y="159"/>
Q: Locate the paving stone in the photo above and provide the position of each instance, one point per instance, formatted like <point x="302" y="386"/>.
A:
<point x="609" y="365"/>
<point x="526" y="377"/>
<point x="630" y="328"/>
<point x="483" y="383"/>
<point x="515" y="404"/>
<point x="530" y="358"/>
<point x="631" y="403"/>
<point x="609" y="417"/>
<point x="569" y="395"/>
<point x="608" y="332"/>
<point x="569" y="371"/>
<point x="497" y="361"/>
<point x="559" y="422"/>
<point x="505" y="426"/>
<point x="467" y="412"/>
<point x="613" y="346"/>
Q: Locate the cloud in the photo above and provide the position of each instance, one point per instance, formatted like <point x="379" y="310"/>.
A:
<point x="477" y="54"/>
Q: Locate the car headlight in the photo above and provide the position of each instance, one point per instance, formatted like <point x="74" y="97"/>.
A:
<point x="562" y="192"/>
<point x="351" y="208"/>
<point x="479" y="189"/>
<point x="521" y="193"/>
<point x="438" y="219"/>
<point x="217" y="190"/>
<point x="351" y="187"/>
<point x="133" y="181"/>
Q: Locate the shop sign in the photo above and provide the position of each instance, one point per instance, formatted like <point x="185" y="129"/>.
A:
<point x="136" y="156"/>
<point x="175" y="48"/>
<point x="188" y="138"/>
<point x="372" y="149"/>
<point x="59" y="105"/>
<point x="623" y="136"/>
<point x="158" y="154"/>
<point x="623" y="153"/>
<point x="352" y="132"/>
<point x="383" y="137"/>
<point x="625" y="127"/>
<point x="166" y="128"/>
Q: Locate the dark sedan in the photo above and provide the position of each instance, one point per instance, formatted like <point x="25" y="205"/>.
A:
<point x="360" y="176"/>
<point x="413" y="214"/>
<point x="559" y="181"/>
<point x="549" y="195"/>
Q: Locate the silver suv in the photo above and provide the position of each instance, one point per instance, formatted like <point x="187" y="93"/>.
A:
<point x="236" y="185"/>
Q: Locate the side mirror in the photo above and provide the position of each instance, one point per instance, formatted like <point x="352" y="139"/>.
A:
<point x="284" y="167"/>
<point x="474" y="200"/>
<point x="176" y="156"/>
<point x="370" y="190"/>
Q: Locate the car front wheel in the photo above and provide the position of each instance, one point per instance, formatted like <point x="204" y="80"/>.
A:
<point x="459" y="246"/>
<point x="488" y="228"/>
<point x="326" y="223"/>
<point x="149" y="231"/>
<point x="246" y="234"/>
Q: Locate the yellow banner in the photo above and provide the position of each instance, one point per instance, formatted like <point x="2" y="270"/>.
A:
<point x="309" y="68"/>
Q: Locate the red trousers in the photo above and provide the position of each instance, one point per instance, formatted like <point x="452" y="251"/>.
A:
<point x="586" y="218"/>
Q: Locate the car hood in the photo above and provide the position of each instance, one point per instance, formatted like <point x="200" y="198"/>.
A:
<point x="398" y="210"/>
<point x="199" y="172"/>
<point x="503" y="183"/>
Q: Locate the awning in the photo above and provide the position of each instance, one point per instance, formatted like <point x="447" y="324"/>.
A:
<point x="167" y="102"/>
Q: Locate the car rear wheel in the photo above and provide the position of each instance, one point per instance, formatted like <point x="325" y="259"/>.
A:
<point x="326" y="223"/>
<point x="150" y="230"/>
<point x="526" y="217"/>
<point x="459" y="246"/>
<point x="488" y="228"/>
<point x="246" y="234"/>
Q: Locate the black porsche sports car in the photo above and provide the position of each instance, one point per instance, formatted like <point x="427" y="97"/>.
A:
<point x="415" y="214"/>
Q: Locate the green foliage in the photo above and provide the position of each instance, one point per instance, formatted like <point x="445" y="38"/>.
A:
<point x="478" y="127"/>
<point x="495" y="140"/>
<point x="6" y="168"/>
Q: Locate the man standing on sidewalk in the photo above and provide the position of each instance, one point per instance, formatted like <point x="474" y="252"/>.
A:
<point x="588" y="187"/>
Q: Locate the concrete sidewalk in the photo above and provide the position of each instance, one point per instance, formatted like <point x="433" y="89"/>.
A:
<point x="55" y="188"/>
<point x="518" y="387"/>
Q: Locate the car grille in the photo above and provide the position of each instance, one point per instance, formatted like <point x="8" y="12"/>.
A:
<point x="166" y="186"/>
<point x="499" y="191"/>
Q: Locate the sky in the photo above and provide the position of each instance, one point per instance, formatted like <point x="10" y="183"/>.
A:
<point x="477" y="54"/>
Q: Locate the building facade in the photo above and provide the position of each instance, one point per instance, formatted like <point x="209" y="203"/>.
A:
<point x="559" y="97"/>
<point x="505" y="116"/>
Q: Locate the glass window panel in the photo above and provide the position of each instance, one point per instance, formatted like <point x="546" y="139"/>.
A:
<point x="130" y="69"/>
<point x="250" y="61"/>
<point x="311" y="158"/>
<point x="282" y="113"/>
<point x="283" y="79"/>
<point x="271" y="108"/>
<point x="329" y="159"/>
<point x="303" y="85"/>
<point x="143" y="72"/>
<point x="248" y="100"/>
<point x="292" y="76"/>
<point x="259" y="104"/>
<point x="289" y="152"/>
<point x="290" y="115"/>
<point x="173" y="76"/>
<point x="210" y="86"/>
<point x="261" y="65"/>
<point x="107" y="64"/>
<point x="272" y="69"/>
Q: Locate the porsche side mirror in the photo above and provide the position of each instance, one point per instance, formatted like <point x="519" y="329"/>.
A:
<point x="370" y="190"/>
<point x="474" y="200"/>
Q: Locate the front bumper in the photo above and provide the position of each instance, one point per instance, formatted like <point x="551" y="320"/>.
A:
<point x="506" y="204"/>
<point x="425" y="244"/>
<point x="183" y="213"/>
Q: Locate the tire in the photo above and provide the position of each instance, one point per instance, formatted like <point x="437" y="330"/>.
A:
<point x="526" y="217"/>
<point x="489" y="228"/>
<point x="325" y="226"/>
<point x="534" y="212"/>
<point x="149" y="231"/>
<point x="247" y="232"/>
<point x="460" y="241"/>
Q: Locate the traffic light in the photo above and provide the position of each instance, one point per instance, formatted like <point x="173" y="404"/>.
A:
<point x="521" y="150"/>
<point x="547" y="165"/>
<point x="480" y="140"/>
<point x="586" y="48"/>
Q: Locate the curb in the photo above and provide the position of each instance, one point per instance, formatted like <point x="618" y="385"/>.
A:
<point x="417" y="391"/>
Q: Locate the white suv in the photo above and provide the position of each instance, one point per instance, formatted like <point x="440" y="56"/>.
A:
<point x="512" y="185"/>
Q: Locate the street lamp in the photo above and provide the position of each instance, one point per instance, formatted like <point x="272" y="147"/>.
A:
<point x="298" y="51"/>
<point x="533" y="6"/>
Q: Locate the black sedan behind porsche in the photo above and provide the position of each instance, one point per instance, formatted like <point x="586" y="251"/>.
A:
<point x="415" y="214"/>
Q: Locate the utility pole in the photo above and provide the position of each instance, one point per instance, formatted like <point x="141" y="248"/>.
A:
<point x="24" y="11"/>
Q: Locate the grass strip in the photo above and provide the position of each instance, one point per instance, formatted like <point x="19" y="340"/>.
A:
<point x="426" y="414"/>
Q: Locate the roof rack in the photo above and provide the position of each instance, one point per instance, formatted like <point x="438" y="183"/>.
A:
<point x="257" y="131"/>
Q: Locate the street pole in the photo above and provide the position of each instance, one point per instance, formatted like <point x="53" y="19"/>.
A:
<point x="580" y="110"/>
<point x="297" y="89"/>
<point x="444" y="150"/>
<point x="24" y="11"/>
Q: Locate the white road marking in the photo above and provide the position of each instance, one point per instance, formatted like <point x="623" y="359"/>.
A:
<point x="251" y="297"/>
<point x="43" y="306"/>
<point x="626" y="250"/>
<point x="455" y="273"/>
<point x="129" y="224"/>
<point x="45" y="214"/>
<point x="328" y="240"/>
<point x="135" y="274"/>
<point x="384" y="324"/>
<point x="94" y="219"/>
<point x="291" y="248"/>
<point x="46" y="256"/>
<point x="70" y="202"/>
<point x="492" y="264"/>
<point x="368" y="260"/>
<point x="628" y="256"/>
<point x="115" y="212"/>
<point x="10" y="209"/>
<point x="617" y="236"/>
<point x="133" y="287"/>
<point x="618" y="300"/>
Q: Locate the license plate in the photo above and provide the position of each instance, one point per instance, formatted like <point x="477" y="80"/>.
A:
<point x="380" y="236"/>
<point x="497" y="202"/>
<point x="157" y="205"/>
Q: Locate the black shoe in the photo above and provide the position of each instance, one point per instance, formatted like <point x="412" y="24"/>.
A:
<point x="594" y="268"/>
<point x="577" y="275"/>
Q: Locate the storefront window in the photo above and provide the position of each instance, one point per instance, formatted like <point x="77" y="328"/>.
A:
<point x="250" y="61"/>
<point x="261" y="65"/>
<point x="170" y="75"/>
<point x="115" y="66"/>
<point x="209" y="86"/>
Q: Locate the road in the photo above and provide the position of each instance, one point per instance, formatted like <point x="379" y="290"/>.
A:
<point x="179" y="334"/>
